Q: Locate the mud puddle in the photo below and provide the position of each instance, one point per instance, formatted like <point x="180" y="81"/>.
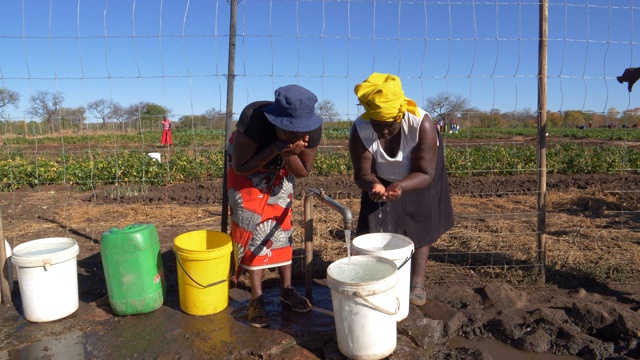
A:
<point x="70" y="346"/>
<point x="501" y="351"/>
<point x="169" y="331"/>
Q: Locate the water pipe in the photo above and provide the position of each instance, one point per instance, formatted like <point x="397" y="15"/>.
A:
<point x="308" y="229"/>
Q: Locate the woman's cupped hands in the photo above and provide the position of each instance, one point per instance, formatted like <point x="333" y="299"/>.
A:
<point x="380" y="193"/>
<point x="289" y="149"/>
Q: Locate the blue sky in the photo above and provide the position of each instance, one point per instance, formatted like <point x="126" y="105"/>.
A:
<point x="174" y="52"/>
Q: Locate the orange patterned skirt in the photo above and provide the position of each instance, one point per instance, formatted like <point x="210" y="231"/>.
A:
<point x="261" y="211"/>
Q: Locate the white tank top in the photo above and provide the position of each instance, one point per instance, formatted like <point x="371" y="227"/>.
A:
<point x="398" y="167"/>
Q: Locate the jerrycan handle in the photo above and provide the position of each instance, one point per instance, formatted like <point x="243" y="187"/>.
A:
<point x="132" y="226"/>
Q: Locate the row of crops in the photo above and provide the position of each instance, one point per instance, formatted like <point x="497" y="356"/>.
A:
<point x="88" y="168"/>
<point x="336" y="131"/>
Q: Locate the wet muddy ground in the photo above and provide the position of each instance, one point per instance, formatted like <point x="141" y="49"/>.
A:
<point x="477" y="309"/>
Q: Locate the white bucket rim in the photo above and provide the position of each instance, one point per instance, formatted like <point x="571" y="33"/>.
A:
<point x="367" y="288"/>
<point x="399" y="253"/>
<point x="47" y="251"/>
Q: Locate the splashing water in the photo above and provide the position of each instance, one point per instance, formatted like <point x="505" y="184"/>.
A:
<point x="389" y="216"/>
<point x="347" y="238"/>
<point x="380" y="216"/>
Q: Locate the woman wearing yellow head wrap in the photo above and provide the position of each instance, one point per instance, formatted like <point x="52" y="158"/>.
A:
<point x="398" y="162"/>
<point x="382" y="97"/>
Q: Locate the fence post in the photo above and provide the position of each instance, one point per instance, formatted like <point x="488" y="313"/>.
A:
<point x="4" y="273"/>
<point x="229" y="114"/>
<point x="542" y="138"/>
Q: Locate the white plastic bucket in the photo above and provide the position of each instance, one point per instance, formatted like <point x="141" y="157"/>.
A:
<point x="397" y="248"/>
<point x="364" y="305"/>
<point x="155" y="156"/>
<point x="47" y="278"/>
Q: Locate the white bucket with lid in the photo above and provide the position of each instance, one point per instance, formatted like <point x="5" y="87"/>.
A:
<point x="47" y="278"/>
<point x="364" y="305"/>
<point x="397" y="248"/>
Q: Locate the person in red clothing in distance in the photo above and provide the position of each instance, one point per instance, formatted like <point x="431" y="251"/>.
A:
<point x="166" y="139"/>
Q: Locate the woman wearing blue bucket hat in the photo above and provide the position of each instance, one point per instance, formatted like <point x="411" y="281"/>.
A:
<point x="274" y="143"/>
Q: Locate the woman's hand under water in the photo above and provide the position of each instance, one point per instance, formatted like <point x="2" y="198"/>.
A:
<point x="393" y="191"/>
<point x="379" y="193"/>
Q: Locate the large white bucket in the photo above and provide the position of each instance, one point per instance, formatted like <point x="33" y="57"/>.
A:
<point x="47" y="278"/>
<point x="397" y="248"/>
<point x="364" y="305"/>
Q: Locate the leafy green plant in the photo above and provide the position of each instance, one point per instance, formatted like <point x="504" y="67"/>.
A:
<point x="127" y="166"/>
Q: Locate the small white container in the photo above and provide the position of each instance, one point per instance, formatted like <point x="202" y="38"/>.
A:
<point x="48" y="278"/>
<point x="155" y="156"/>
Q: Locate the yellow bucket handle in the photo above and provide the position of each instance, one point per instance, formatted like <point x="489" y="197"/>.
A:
<point x="197" y="283"/>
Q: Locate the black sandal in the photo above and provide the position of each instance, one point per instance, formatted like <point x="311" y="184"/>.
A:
<point x="417" y="298"/>
<point x="296" y="301"/>
<point x="257" y="316"/>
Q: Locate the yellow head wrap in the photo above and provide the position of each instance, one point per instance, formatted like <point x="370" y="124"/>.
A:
<point x="382" y="97"/>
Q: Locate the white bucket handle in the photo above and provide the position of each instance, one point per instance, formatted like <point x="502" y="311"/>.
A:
<point x="406" y="260"/>
<point x="376" y="307"/>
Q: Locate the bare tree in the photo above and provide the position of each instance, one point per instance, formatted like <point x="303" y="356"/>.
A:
<point x="45" y="105"/>
<point x="217" y="118"/>
<point x="326" y="110"/>
<point x="446" y="106"/>
<point x="211" y="119"/>
<point x="612" y="115"/>
<point x="518" y="118"/>
<point x="146" y="115"/>
<point x="213" y="113"/>
<point x="103" y="108"/>
<point x="119" y="114"/>
<point x="71" y="117"/>
<point x="9" y="97"/>
<point x="135" y="112"/>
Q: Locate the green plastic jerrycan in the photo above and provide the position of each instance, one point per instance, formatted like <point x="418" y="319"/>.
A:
<point x="133" y="269"/>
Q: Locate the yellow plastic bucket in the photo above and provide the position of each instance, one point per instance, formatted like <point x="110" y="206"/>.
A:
<point x="203" y="261"/>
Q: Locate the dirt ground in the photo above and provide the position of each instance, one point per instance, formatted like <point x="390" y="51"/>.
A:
<point x="482" y="279"/>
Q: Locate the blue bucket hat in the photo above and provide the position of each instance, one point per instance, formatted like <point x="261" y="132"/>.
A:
<point x="293" y="109"/>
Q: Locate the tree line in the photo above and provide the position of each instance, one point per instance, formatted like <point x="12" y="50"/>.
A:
<point x="445" y="107"/>
<point x="455" y="108"/>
